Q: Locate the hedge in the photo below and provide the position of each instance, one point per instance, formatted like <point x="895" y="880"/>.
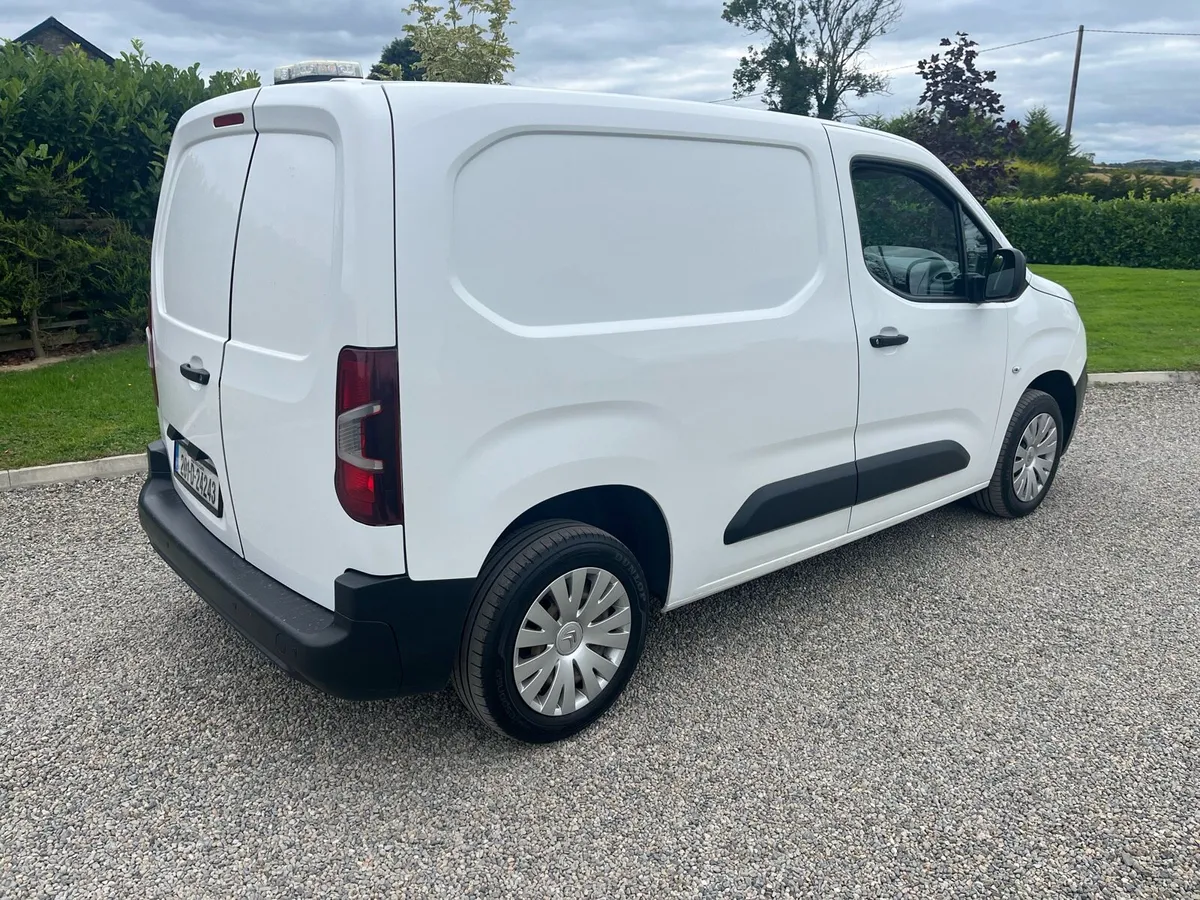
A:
<point x="1077" y="231"/>
<point x="82" y="148"/>
<point x="112" y="122"/>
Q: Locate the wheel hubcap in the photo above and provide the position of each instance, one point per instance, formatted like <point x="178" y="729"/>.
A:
<point x="572" y="641"/>
<point x="1034" y="460"/>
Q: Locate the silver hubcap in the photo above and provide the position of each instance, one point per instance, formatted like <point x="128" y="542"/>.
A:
<point x="572" y="641"/>
<point x="1035" y="457"/>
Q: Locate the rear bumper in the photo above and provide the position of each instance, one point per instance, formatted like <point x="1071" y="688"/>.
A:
<point x="386" y="636"/>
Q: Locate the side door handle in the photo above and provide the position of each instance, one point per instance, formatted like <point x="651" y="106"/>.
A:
<point x="199" y="375"/>
<point x="888" y="340"/>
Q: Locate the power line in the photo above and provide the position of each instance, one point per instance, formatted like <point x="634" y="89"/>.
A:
<point x="1155" y="33"/>
<point x="1044" y="37"/>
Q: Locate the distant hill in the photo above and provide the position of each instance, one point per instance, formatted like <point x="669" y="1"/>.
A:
<point x="1159" y="166"/>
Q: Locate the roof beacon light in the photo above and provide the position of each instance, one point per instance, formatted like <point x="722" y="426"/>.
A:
<point x="317" y="70"/>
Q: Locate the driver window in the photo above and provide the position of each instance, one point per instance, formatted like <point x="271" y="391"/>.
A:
<point x="910" y="234"/>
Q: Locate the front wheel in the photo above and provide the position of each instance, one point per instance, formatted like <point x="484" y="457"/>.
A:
<point x="1028" y="461"/>
<point x="556" y="629"/>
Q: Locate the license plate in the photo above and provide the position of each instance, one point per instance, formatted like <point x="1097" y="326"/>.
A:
<point x="199" y="478"/>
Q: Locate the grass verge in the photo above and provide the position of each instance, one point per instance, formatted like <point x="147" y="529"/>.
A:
<point x="1136" y="319"/>
<point x="85" y="408"/>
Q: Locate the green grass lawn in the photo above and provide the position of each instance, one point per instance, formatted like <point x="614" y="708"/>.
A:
<point x="102" y="405"/>
<point x="85" y="408"/>
<point x="1136" y="319"/>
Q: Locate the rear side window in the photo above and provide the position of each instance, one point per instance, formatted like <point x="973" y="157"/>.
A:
<point x="563" y="229"/>
<point x="916" y="238"/>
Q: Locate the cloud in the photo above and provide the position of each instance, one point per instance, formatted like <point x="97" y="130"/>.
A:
<point x="1132" y="93"/>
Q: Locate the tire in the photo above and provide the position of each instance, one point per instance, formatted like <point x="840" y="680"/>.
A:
<point x="526" y="570"/>
<point x="1002" y="497"/>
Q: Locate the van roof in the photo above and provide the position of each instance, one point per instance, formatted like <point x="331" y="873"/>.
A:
<point x="465" y="94"/>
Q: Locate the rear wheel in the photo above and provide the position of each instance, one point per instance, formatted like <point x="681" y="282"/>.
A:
<point x="556" y="629"/>
<point x="1028" y="460"/>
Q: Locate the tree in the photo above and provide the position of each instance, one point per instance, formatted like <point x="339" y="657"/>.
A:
<point x="961" y="119"/>
<point x="38" y="264"/>
<point x="809" y="58"/>
<point x="453" y="46"/>
<point x="1047" y="162"/>
<point x="1044" y="141"/>
<point x="955" y="88"/>
<point x="398" y="62"/>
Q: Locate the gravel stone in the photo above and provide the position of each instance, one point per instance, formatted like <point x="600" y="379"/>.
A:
<point x="957" y="707"/>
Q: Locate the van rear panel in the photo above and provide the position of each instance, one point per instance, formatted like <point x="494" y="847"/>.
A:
<point x="313" y="272"/>
<point x="275" y="249"/>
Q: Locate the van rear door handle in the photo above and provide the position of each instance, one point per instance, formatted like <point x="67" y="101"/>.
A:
<point x="198" y="375"/>
<point x="889" y="340"/>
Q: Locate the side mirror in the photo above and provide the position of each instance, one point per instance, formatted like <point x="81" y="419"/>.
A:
<point x="1006" y="277"/>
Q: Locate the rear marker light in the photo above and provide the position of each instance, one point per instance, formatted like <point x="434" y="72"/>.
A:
<point x="367" y="436"/>
<point x="229" y="119"/>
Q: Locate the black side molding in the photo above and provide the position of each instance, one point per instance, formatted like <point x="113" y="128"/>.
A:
<point x="804" y="497"/>
<point x="900" y="469"/>
<point x="793" y="500"/>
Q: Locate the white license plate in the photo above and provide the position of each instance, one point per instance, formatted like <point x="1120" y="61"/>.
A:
<point x="199" y="478"/>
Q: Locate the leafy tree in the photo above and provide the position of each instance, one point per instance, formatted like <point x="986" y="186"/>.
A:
<point x="961" y="119"/>
<point x="955" y="88"/>
<point x="810" y="51"/>
<point x="1047" y="163"/>
<point x="452" y="44"/>
<point x="398" y="62"/>
<point x="1045" y="141"/>
<point x="38" y="264"/>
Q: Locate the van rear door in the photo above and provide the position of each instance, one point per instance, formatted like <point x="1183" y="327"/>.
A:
<point x="192" y="263"/>
<point x="314" y="273"/>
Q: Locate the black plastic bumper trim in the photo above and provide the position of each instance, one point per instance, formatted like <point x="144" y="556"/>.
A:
<point x="1081" y="386"/>
<point x="386" y="636"/>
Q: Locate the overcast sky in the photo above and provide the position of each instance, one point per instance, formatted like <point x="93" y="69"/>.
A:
<point x="1138" y="95"/>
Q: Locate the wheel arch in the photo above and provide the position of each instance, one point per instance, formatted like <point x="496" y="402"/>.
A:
<point x="628" y="513"/>
<point x="1059" y="385"/>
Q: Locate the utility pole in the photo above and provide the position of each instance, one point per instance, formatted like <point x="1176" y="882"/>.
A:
<point x="1074" y="83"/>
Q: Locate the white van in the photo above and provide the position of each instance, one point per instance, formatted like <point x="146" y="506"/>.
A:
<point x="458" y="383"/>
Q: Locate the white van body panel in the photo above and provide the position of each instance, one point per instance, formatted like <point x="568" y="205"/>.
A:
<point x="1045" y="335"/>
<point x="581" y="305"/>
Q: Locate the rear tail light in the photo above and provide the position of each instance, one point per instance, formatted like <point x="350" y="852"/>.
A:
<point x="150" y="349"/>
<point x="367" y="436"/>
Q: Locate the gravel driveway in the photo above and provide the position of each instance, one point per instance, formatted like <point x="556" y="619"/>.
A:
<point x="957" y="706"/>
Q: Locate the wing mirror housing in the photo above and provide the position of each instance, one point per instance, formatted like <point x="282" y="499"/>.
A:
<point x="1006" y="278"/>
